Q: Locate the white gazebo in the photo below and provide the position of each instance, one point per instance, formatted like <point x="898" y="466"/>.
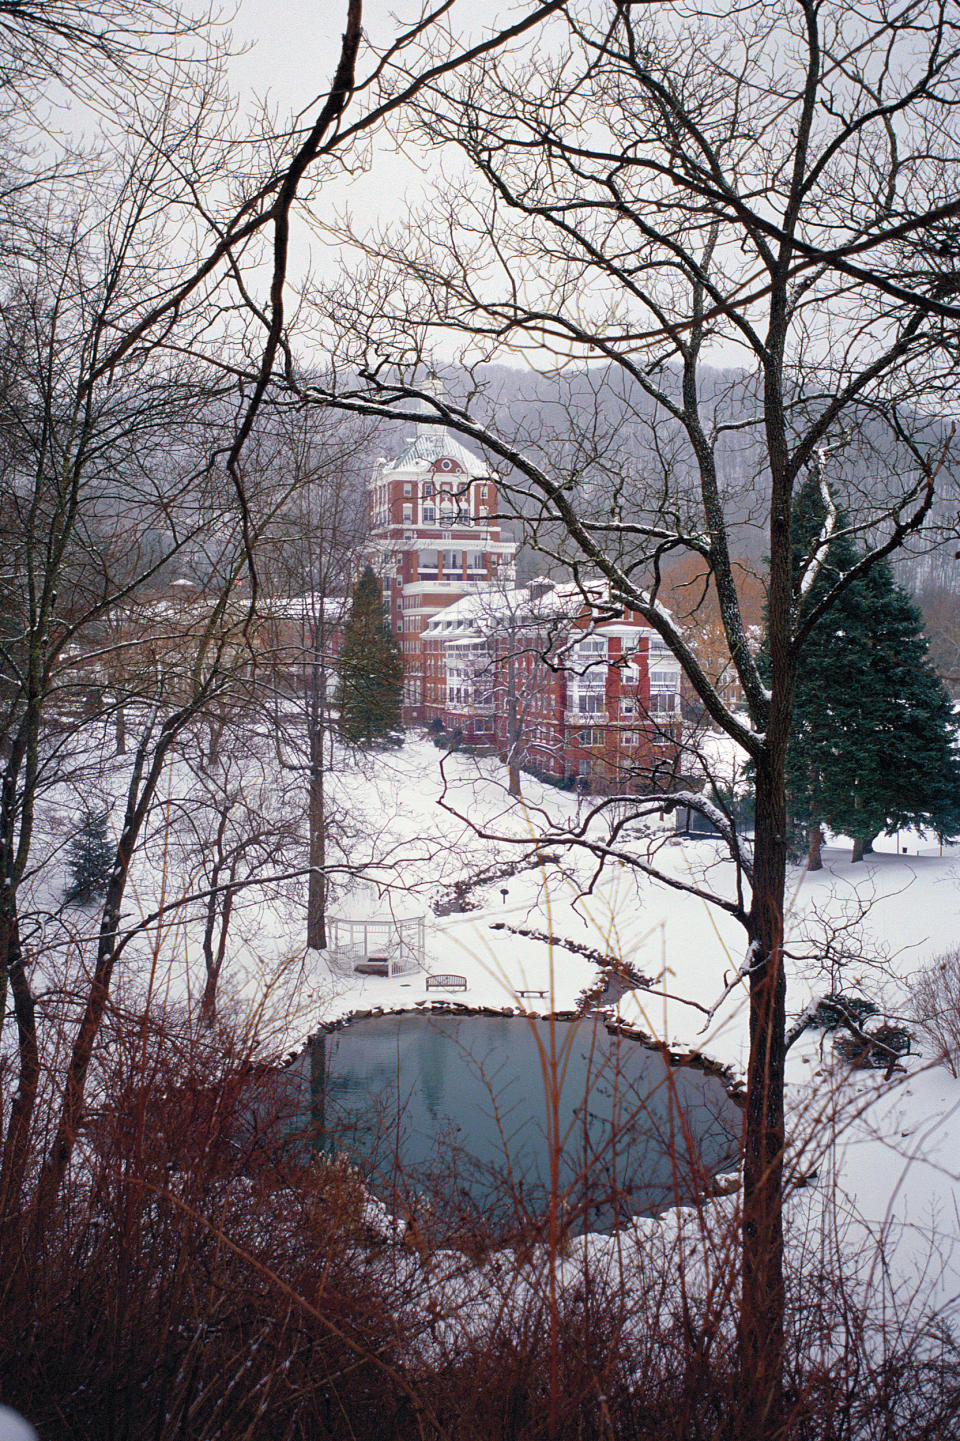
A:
<point x="377" y="933"/>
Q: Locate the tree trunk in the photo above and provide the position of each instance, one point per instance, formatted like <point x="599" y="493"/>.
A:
<point x="859" y="845"/>
<point x="513" y="729"/>
<point x="140" y="793"/>
<point x="763" y="1295"/>
<point x="120" y="730"/>
<point x="16" y="1149"/>
<point x="814" y="841"/>
<point x="317" y="884"/>
<point x="74" y="1086"/>
<point x="214" y="736"/>
<point x="222" y="905"/>
<point x="208" y="1003"/>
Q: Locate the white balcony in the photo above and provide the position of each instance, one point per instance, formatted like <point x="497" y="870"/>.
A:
<point x="450" y="539"/>
<point x="442" y="587"/>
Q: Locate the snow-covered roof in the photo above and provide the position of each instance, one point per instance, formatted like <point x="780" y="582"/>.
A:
<point x="476" y="615"/>
<point x="365" y="902"/>
<point x="307" y="606"/>
<point x="434" y="443"/>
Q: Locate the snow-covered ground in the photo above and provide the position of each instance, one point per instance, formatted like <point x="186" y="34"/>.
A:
<point x="886" y="1152"/>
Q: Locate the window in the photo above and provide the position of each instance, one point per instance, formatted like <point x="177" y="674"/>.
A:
<point x="484" y="492"/>
<point x="590" y="702"/>
<point x="588" y="692"/>
<point x="629" y="738"/>
<point x="663" y="680"/>
<point x="592" y="647"/>
<point x="428" y="514"/>
<point x="594" y="679"/>
<point x="663" y="703"/>
<point x="660" y="658"/>
<point x="408" y="490"/>
<point x="628" y="707"/>
<point x="408" y="513"/>
<point x="591" y="738"/>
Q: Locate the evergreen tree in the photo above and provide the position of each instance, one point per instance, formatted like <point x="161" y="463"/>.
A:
<point x="873" y="744"/>
<point x="89" y="859"/>
<point x="370" y="668"/>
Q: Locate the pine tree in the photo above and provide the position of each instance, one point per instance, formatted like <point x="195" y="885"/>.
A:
<point x="873" y="744"/>
<point x="89" y="859"/>
<point x="370" y="668"/>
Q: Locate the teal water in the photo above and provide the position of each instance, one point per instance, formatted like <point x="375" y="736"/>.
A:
<point x="470" y="1115"/>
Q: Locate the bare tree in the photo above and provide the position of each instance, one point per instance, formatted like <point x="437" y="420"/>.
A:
<point x="140" y="299"/>
<point x="309" y="566"/>
<point x="499" y="667"/>
<point x="233" y="825"/>
<point x="672" y="181"/>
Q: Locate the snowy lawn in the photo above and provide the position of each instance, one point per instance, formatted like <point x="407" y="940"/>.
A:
<point x="886" y="1153"/>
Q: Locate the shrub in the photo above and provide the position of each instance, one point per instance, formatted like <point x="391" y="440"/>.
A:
<point x="878" y="1050"/>
<point x="835" y="1008"/>
<point x="89" y="859"/>
<point x="193" y="1280"/>
<point x="936" y="1009"/>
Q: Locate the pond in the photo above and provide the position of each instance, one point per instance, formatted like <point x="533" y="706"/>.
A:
<point x="474" y="1118"/>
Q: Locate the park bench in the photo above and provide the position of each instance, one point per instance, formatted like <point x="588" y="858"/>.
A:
<point x="447" y="982"/>
<point x="534" y="992"/>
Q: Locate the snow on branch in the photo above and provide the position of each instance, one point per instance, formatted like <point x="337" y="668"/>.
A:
<point x="721" y="822"/>
<point x="750" y="964"/>
<point x="814" y="562"/>
<point x="902" y="527"/>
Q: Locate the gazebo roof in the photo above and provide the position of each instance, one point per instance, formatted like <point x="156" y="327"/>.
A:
<point x="365" y="902"/>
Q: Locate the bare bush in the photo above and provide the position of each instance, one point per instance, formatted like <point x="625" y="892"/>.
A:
<point x="210" y="1272"/>
<point x="936" y="1009"/>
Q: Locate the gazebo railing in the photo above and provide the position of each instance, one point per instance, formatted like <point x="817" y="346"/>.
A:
<point x="396" y="945"/>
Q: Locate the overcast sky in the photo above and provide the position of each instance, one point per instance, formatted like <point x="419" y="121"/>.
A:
<point x="290" y="55"/>
<point x="295" y="44"/>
